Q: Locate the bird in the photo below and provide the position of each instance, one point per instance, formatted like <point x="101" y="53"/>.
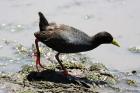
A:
<point x="67" y="39"/>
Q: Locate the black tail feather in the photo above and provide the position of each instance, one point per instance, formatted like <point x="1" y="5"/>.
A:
<point x="43" y="23"/>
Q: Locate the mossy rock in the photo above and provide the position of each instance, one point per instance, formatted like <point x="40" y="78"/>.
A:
<point x="98" y="72"/>
<point x="52" y="79"/>
<point x="97" y="67"/>
<point x="26" y="91"/>
<point x="70" y="65"/>
<point x="131" y="82"/>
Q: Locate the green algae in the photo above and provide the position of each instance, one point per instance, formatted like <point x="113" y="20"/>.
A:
<point x="98" y="72"/>
<point x="27" y="91"/>
<point x="70" y="65"/>
<point x="97" y="67"/>
<point x="134" y="49"/>
<point x="53" y="81"/>
<point x="131" y="82"/>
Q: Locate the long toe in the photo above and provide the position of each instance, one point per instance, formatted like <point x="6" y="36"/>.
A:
<point x="41" y="65"/>
<point x="38" y="67"/>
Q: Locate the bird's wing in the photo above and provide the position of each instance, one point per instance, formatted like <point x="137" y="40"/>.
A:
<point x="73" y="35"/>
<point x="63" y="34"/>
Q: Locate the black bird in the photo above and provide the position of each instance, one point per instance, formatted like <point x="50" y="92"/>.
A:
<point x="67" y="39"/>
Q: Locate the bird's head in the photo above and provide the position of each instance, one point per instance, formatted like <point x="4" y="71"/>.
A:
<point x="105" y="38"/>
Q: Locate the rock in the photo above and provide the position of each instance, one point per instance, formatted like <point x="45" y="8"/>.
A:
<point x="134" y="49"/>
<point x="131" y="82"/>
<point x="134" y="72"/>
<point x="53" y="81"/>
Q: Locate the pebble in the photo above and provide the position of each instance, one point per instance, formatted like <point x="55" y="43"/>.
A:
<point x="134" y="72"/>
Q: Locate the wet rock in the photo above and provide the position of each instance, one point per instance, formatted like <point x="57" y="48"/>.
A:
<point x="131" y="82"/>
<point x="70" y="65"/>
<point x="97" y="67"/>
<point x="134" y="49"/>
<point x="134" y="72"/>
<point x="83" y="78"/>
<point x="52" y="80"/>
<point x="98" y="72"/>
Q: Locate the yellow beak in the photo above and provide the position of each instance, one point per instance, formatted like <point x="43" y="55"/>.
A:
<point x="114" y="42"/>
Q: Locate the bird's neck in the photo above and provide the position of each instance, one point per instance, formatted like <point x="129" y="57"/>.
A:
<point x="95" y="42"/>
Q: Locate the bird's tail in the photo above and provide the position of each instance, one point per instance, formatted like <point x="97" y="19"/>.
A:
<point x="43" y="23"/>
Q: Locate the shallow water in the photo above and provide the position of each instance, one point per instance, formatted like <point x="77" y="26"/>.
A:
<point x="19" y="20"/>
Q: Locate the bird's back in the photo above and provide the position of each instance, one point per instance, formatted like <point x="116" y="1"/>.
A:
<point x="66" y="39"/>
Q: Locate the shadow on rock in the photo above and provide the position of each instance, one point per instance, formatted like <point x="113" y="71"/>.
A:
<point x="57" y="77"/>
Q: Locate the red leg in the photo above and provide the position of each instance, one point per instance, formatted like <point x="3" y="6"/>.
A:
<point x="59" y="61"/>
<point x="38" y="55"/>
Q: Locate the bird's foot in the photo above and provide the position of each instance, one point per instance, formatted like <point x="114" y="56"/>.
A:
<point x="39" y="67"/>
<point x="66" y="74"/>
